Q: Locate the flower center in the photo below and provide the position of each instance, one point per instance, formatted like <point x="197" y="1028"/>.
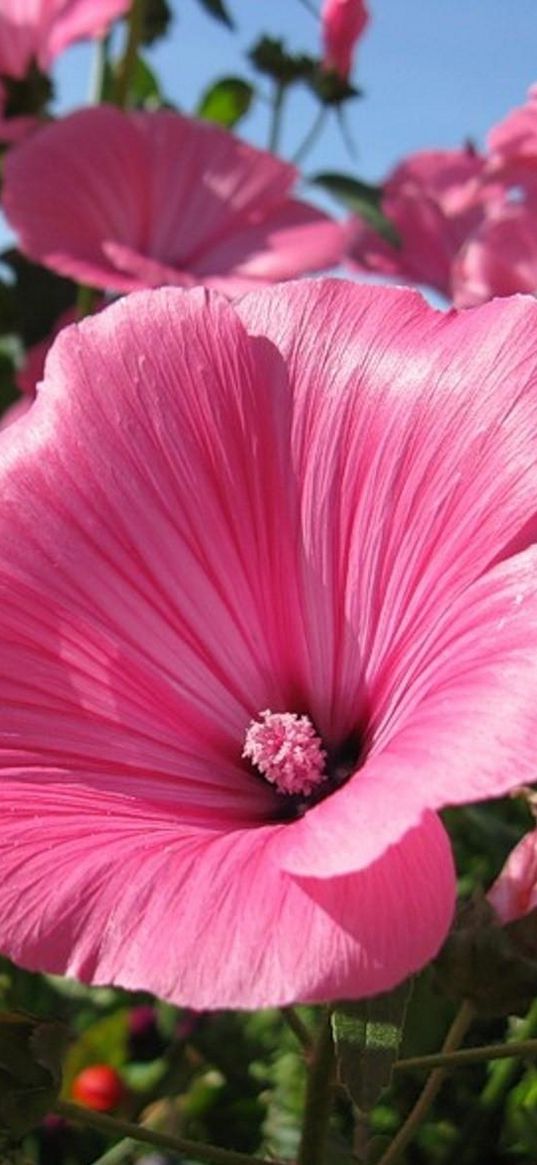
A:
<point x="287" y="751"/>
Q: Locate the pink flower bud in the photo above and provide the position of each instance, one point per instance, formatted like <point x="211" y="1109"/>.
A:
<point x="343" y="22"/>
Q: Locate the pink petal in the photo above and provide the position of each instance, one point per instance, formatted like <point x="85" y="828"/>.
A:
<point x="461" y="727"/>
<point x="174" y="618"/>
<point x="114" y="891"/>
<point x="514" y="893"/>
<point x="416" y="458"/>
<point x="41" y="29"/>
<point x="161" y="198"/>
<point x="500" y="259"/>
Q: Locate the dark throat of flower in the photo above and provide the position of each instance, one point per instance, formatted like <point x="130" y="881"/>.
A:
<point x="285" y="749"/>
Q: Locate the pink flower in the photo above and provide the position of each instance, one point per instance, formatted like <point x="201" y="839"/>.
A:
<point x="435" y="200"/>
<point x="343" y="22"/>
<point x="500" y="258"/>
<point x="514" y="893"/>
<point x="512" y="144"/>
<point x="231" y="537"/>
<point x="161" y="198"/>
<point x="39" y="30"/>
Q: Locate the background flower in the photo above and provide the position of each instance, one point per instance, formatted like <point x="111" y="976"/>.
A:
<point x="161" y="198"/>
<point x="39" y="30"/>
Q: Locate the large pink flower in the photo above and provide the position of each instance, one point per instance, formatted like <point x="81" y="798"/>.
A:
<point x="435" y="200"/>
<point x="39" y="30"/>
<point x="258" y="624"/>
<point x="343" y="22"/>
<point x="161" y="199"/>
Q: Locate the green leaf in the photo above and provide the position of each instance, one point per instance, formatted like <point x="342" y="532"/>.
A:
<point x="270" y="57"/>
<point x="226" y="102"/>
<point x="156" y="18"/>
<point x="217" y="9"/>
<point x="32" y="303"/>
<point x="143" y="89"/>
<point x="367" y="1035"/>
<point x="363" y="199"/>
<point x="31" y="1054"/>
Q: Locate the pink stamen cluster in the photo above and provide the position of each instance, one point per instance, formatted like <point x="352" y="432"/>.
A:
<point x="286" y="750"/>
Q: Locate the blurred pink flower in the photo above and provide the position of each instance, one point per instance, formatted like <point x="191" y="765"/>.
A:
<point x="343" y="22"/>
<point x="466" y="222"/>
<point x="161" y="199"/>
<point x="500" y="258"/>
<point x="514" y="893"/>
<point x="435" y="200"/>
<point x="39" y="30"/>
<point x="241" y="546"/>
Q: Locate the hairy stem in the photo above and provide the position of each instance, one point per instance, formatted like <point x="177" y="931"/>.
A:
<point x="416" y="1117"/>
<point x="318" y="1098"/>
<point x="297" y="1026"/>
<point x="197" y="1150"/>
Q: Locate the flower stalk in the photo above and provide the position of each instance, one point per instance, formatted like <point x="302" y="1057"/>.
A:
<point x="417" y="1115"/>
<point x="318" y="1098"/>
<point x="199" y="1150"/>
<point x="126" y="64"/>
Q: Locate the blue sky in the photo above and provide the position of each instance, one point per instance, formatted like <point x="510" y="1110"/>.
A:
<point x="434" y="72"/>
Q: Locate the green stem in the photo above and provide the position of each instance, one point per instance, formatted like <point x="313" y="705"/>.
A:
<point x="98" y="71"/>
<point x="481" y="1119"/>
<point x="311" y="136"/>
<point x="116" y="1155"/>
<point x="298" y="1027"/>
<point x="197" y="1150"/>
<point x="417" y="1115"/>
<point x="126" y="65"/>
<point x="276" y="120"/>
<point x="318" y="1098"/>
<point x="516" y="1048"/>
<point x="85" y="301"/>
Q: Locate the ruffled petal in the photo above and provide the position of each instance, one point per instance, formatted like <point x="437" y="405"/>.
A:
<point x="112" y="891"/>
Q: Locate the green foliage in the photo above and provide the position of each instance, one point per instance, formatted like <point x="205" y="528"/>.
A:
<point x="31" y="1053"/>
<point x="31" y="298"/>
<point x="226" y="102"/>
<point x="156" y="18"/>
<point x="363" y="199"/>
<point x="270" y="57"/>
<point x="367" y="1035"/>
<point x="217" y="9"/>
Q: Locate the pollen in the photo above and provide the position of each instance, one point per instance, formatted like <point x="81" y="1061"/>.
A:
<point x="287" y="751"/>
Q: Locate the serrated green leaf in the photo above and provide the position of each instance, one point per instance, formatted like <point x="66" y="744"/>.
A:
<point x="367" y="1035"/>
<point x="363" y="199"/>
<point x="226" y="102"/>
<point x="217" y="9"/>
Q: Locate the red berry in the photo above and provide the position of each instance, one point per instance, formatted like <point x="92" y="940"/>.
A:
<point x="99" y="1087"/>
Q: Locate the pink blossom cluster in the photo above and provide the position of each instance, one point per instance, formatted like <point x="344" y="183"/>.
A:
<point x="465" y="220"/>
